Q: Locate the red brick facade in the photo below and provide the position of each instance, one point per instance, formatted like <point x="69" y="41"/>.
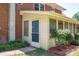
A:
<point x="4" y="18"/>
<point x="19" y="7"/>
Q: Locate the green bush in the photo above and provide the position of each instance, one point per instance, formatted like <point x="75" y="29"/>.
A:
<point x="76" y="36"/>
<point x="69" y="38"/>
<point x="25" y="43"/>
<point x="61" y="35"/>
<point x="2" y="47"/>
<point x="53" y="33"/>
<point x="76" y="39"/>
<point x="75" y="42"/>
<point x="13" y="45"/>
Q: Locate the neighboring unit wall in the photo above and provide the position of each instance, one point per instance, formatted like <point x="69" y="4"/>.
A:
<point x="4" y="17"/>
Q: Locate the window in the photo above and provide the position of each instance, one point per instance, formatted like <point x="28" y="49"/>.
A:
<point x="39" y="7"/>
<point x="52" y="24"/>
<point x="66" y="25"/>
<point x="60" y="25"/>
<point x="36" y="6"/>
<point x="70" y="27"/>
<point x="26" y="28"/>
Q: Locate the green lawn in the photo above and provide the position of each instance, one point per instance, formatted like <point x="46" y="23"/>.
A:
<point x="37" y="52"/>
<point x="74" y="53"/>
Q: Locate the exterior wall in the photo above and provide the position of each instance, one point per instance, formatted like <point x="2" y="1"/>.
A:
<point x="43" y="29"/>
<point x="47" y="8"/>
<point x="19" y="7"/>
<point x="58" y="11"/>
<point x="4" y="16"/>
<point x="25" y="6"/>
<point x="18" y="24"/>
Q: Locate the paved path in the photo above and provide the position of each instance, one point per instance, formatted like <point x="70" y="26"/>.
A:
<point x="18" y="51"/>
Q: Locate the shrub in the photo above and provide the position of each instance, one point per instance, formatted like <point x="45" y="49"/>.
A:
<point x="76" y="40"/>
<point x="2" y="47"/>
<point x="69" y="38"/>
<point x="25" y="43"/>
<point x="16" y="41"/>
<point x="76" y="36"/>
<point x="53" y="33"/>
<point x="61" y="34"/>
<point x="13" y="45"/>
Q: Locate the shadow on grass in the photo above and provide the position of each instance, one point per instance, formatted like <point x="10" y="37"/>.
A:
<point x="39" y="52"/>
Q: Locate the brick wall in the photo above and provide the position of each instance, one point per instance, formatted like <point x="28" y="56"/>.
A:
<point x="4" y="17"/>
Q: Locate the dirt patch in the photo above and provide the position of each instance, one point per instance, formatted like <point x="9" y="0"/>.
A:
<point x="63" y="51"/>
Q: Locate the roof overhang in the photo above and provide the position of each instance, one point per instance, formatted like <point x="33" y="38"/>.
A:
<point x="54" y="5"/>
<point x="53" y="15"/>
<point x="63" y="18"/>
<point x="36" y="12"/>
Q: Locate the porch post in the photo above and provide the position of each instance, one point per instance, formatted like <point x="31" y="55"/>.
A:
<point x="72" y="28"/>
<point x="63" y="25"/>
<point x="56" y="24"/>
<point x="75" y="28"/>
<point x="12" y="22"/>
<point x="68" y="26"/>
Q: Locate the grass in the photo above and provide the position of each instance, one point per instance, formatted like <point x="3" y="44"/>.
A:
<point x="74" y="53"/>
<point x="37" y="52"/>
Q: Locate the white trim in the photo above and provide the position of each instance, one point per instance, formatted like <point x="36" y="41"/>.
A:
<point x="12" y="22"/>
<point x="36" y="12"/>
<point x="44" y="7"/>
<point x="38" y="6"/>
<point x="35" y="44"/>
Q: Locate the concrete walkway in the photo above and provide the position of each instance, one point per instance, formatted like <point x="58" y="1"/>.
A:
<point x="18" y="51"/>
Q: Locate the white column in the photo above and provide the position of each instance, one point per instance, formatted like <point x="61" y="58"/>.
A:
<point x="57" y="24"/>
<point x="12" y="22"/>
<point x="75" y="28"/>
<point x="72" y="28"/>
<point x="63" y="25"/>
<point x="68" y="26"/>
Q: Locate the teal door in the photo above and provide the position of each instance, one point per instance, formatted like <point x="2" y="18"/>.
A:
<point x="35" y="31"/>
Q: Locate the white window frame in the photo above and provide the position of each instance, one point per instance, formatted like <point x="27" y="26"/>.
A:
<point x="39" y="7"/>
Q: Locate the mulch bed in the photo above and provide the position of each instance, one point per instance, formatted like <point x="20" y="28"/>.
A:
<point x="63" y="51"/>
